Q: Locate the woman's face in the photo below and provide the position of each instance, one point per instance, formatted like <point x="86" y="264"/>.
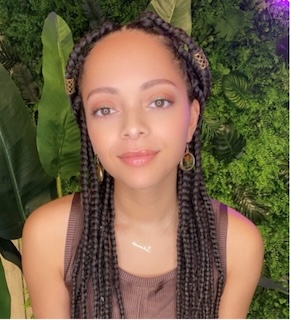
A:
<point x="137" y="111"/>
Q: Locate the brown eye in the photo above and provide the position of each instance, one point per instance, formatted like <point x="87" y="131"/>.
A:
<point x="160" y="103"/>
<point x="104" y="111"/>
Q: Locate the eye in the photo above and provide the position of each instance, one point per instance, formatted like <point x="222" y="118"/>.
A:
<point x="104" y="111"/>
<point x="160" y="103"/>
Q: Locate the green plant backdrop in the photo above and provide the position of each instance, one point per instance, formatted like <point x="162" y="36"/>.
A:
<point x="246" y="42"/>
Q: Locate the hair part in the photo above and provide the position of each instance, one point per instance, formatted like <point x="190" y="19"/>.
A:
<point x="96" y="259"/>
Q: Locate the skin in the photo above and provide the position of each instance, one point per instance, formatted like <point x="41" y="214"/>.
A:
<point x="130" y="109"/>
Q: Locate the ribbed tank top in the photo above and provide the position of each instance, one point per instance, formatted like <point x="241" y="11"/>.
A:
<point x="143" y="298"/>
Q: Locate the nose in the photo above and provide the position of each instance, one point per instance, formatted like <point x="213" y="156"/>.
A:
<point x="134" y="125"/>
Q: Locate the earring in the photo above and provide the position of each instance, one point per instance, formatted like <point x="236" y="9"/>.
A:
<point x="187" y="163"/>
<point x="99" y="170"/>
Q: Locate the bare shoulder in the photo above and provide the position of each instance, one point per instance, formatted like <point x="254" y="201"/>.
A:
<point x="54" y="214"/>
<point x="244" y="265"/>
<point x="44" y="241"/>
<point x="47" y="227"/>
<point x="243" y="237"/>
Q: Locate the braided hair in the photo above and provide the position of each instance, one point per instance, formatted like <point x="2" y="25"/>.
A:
<point x="197" y="246"/>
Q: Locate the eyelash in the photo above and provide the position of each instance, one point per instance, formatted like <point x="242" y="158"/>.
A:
<point x="163" y="100"/>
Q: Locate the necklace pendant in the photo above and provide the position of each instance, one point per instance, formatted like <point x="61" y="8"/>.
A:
<point x="147" y="249"/>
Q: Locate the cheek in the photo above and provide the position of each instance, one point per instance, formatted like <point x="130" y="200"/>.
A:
<point x="98" y="137"/>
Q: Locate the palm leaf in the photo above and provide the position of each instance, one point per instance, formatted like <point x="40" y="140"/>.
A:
<point x="176" y="12"/>
<point x="210" y="127"/>
<point x="28" y="87"/>
<point x="24" y="184"/>
<point x="10" y="252"/>
<point x="228" y="144"/>
<point x="93" y="12"/>
<point x="249" y="207"/>
<point x="230" y="24"/>
<point x="58" y="137"/>
<point x="5" y="300"/>
<point x="8" y="56"/>
<point x="235" y="86"/>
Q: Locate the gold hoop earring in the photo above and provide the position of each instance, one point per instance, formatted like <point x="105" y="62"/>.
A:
<point x="187" y="163"/>
<point x="99" y="170"/>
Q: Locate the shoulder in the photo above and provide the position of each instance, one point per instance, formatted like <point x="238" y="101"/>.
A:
<point x="50" y="216"/>
<point x="244" y="255"/>
<point x="46" y="227"/>
<point x="244" y="241"/>
<point x="43" y="249"/>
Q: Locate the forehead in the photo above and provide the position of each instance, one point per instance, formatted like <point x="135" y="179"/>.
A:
<point x="129" y="51"/>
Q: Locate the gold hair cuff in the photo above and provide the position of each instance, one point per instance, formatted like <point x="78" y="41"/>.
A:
<point x="200" y="59"/>
<point x="70" y="86"/>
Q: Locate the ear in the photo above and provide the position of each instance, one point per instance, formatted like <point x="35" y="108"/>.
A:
<point x="194" y="116"/>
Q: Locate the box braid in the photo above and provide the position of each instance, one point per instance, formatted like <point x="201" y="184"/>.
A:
<point x="197" y="245"/>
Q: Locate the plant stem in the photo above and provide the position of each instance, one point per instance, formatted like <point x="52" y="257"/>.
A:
<point x="59" y="187"/>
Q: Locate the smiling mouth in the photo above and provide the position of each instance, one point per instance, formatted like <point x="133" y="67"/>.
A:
<point x="138" y="158"/>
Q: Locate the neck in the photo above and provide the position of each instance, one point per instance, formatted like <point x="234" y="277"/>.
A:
<point x="155" y="206"/>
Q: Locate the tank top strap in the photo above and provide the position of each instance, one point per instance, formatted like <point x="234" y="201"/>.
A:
<point x="74" y="231"/>
<point x="221" y="220"/>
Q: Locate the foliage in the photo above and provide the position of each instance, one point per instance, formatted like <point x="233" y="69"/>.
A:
<point x="246" y="42"/>
<point x="25" y="186"/>
<point x="5" y="300"/>
<point x="176" y="12"/>
<point x="22" y="21"/>
<point x="58" y="137"/>
<point x="256" y="104"/>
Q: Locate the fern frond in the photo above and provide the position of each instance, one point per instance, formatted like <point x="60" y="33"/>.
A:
<point x="24" y="80"/>
<point x="93" y="12"/>
<point x="8" y="55"/>
<point x="249" y="207"/>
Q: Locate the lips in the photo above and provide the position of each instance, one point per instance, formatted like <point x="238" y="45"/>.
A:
<point x="138" y="158"/>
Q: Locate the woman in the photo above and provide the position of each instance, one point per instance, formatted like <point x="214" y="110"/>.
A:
<point x="143" y="239"/>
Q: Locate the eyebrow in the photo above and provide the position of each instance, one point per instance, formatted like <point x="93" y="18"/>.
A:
<point x="147" y="85"/>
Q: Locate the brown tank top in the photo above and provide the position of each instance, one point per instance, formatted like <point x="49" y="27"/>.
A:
<point x="143" y="298"/>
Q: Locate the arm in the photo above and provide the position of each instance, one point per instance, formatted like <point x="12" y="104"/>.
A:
<point x="244" y="265"/>
<point x="44" y="238"/>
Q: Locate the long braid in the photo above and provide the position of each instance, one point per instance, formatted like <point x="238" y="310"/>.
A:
<point x="197" y="245"/>
<point x="202" y="222"/>
<point x="94" y="249"/>
<point x="116" y="280"/>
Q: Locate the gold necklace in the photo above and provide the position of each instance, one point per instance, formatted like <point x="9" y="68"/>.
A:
<point x="147" y="248"/>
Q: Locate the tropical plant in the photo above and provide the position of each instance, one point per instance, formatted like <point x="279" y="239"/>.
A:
<point x="25" y="185"/>
<point x="93" y="12"/>
<point x="58" y="137"/>
<point x="176" y="12"/>
<point x="246" y="43"/>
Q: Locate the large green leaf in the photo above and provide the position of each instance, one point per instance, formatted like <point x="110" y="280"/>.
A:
<point x="228" y="144"/>
<point x="10" y="252"/>
<point x="57" y="132"/>
<point x="5" y="300"/>
<point x="23" y="183"/>
<point x="230" y="24"/>
<point x="176" y="12"/>
<point x="210" y="127"/>
<point x="235" y="86"/>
